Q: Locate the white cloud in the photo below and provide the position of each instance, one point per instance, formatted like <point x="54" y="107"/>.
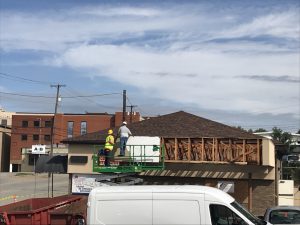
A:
<point x="170" y="53"/>
<point x="283" y="25"/>
<point x="201" y="77"/>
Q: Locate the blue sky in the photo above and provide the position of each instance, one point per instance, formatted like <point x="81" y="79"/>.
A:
<point x="236" y="62"/>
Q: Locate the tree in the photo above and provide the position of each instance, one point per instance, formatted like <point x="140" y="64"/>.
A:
<point x="260" y="130"/>
<point x="283" y="137"/>
<point x="298" y="132"/>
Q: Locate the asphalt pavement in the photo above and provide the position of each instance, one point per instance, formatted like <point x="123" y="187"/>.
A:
<point x="20" y="186"/>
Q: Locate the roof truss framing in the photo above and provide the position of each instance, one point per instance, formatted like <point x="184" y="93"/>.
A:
<point x="213" y="150"/>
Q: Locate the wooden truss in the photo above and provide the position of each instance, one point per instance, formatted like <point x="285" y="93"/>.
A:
<point x="214" y="150"/>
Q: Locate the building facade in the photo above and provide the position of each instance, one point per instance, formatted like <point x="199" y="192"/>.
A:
<point x="5" y="118"/>
<point x="30" y="129"/>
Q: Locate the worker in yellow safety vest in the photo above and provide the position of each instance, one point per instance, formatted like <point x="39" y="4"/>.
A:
<point x="108" y="147"/>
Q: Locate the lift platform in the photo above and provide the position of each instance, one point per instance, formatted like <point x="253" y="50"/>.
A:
<point x="138" y="158"/>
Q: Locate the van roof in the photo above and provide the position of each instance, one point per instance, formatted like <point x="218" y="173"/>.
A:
<point x="196" y="189"/>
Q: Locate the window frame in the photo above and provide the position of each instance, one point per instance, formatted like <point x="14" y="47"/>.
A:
<point x="81" y="127"/>
<point x="23" y="137"/>
<point x="47" y="135"/>
<point x="48" y="123"/>
<point x="35" y="125"/>
<point x="70" y="130"/>
<point x="35" y="135"/>
<point x="25" y="123"/>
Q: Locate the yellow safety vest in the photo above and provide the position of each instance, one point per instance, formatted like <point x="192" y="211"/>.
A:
<point x="108" y="145"/>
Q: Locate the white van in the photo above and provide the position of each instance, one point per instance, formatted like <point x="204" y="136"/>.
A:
<point x="165" y="205"/>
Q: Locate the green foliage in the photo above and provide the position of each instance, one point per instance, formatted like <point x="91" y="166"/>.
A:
<point x="260" y="130"/>
<point x="283" y="137"/>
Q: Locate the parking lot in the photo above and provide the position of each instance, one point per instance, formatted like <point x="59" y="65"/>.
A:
<point x="20" y="186"/>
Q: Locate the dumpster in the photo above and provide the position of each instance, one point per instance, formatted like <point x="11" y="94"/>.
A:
<point x="62" y="210"/>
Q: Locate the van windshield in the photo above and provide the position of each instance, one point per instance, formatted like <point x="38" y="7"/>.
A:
<point x="247" y="214"/>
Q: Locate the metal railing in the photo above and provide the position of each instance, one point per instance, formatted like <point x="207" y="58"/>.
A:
<point x="138" y="158"/>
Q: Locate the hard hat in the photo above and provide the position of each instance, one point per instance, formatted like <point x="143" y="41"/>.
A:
<point x="125" y="122"/>
<point x="110" y="131"/>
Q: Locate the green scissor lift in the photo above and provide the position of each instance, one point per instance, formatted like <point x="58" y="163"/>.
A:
<point x="136" y="159"/>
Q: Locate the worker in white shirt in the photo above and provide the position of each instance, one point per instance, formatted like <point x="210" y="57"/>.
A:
<point x="124" y="134"/>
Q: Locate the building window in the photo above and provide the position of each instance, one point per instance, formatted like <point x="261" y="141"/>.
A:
<point x="24" y="137"/>
<point x="47" y="137"/>
<point x="70" y="129"/>
<point x="83" y="127"/>
<point x="48" y="123"/>
<point x="24" y="123"/>
<point x="4" y="122"/>
<point x="36" y="123"/>
<point x="35" y="137"/>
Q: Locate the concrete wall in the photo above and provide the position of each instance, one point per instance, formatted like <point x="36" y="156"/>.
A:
<point x="81" y="150"/>
<point x="296" y="197"/>
<point x="6" y="116"/>
<point x="263" y="196"/>
<point x="5" y="137"/>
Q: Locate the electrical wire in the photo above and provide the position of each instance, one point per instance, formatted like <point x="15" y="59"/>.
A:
<point x="19" y="78"/>
<point x="26" y="95"/>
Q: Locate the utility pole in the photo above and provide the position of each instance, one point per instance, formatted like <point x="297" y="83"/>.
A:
<point x="131" y="110"/>
<point x="57" y="86"/>
<point x="124" y="104"/>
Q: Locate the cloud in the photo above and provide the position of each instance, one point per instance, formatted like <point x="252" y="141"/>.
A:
<point x="190" y="76"/>
<point x="268" y="78"/>
<point x="283" y="24"/>
<point x="185" y="54"/>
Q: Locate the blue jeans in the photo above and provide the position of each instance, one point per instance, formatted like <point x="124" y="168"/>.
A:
<point x="123" y="141"/>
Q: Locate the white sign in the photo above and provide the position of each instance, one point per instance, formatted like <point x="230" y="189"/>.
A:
<point x="144" y="148"/>
<point x="226" y="186"/>
<point x="38" y="149"/>
<point x="82" y="183"/>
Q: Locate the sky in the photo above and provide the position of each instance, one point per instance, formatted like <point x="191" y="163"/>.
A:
<point x="235" y="62"/>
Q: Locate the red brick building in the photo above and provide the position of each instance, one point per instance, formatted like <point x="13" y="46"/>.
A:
<point x="35" y="128"/>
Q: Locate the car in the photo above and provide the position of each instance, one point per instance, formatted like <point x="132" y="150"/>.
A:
<point x="283" y="215"/>
<point x="293" y="158"/>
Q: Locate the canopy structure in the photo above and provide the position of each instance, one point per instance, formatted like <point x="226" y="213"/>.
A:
<point x="52" y="164"/>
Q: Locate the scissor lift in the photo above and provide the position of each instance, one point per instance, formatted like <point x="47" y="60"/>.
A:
<point x="138" y="158"/>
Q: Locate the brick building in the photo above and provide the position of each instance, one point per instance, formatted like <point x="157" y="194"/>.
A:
<point x="35" y="128"/>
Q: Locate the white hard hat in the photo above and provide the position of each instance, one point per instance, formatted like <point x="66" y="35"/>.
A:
<point x="125" y="122"/>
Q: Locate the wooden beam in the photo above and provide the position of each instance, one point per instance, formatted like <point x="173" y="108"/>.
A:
<point x="176" y="149"/>
<point x="189" y="149"/>
<point x="244" y="150"/>
<point x="258" y="151"/>
<point x="217" y="148"/>
<point x="230" y="150"/>
<point x="213" y="150"/>
<point x="202" y="149"/>
<point x="250" y="194"/>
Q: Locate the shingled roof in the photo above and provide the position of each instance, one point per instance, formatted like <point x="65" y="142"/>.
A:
<point x="179" y="124"/>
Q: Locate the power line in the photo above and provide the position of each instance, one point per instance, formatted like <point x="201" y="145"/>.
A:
<point x="43" y="96"/>
<point x="9" y="76"/>
<point x="26" y="95"/>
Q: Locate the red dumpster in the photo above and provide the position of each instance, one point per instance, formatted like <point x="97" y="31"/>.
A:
<point x="40" y="211"/>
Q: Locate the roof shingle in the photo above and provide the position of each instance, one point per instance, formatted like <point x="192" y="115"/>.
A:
<point x="179" y="124"/>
